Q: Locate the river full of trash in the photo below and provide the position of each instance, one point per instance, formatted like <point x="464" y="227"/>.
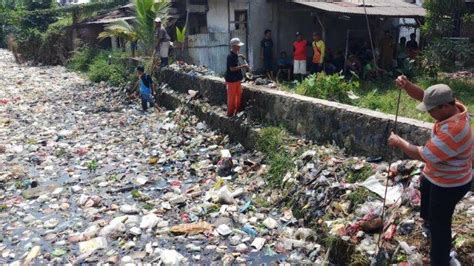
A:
<point x="86" y="177"/>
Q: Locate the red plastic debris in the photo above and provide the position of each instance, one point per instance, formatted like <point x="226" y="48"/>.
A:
<point x="185" y="217"/>
<point x="390" y="233"/>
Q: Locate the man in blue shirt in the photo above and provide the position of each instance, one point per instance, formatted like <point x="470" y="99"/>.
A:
<point x="146" y="88"/>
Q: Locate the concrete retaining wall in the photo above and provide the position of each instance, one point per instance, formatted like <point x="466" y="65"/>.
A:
<point x="238" y="132"/>
<point x="360" y="131"/>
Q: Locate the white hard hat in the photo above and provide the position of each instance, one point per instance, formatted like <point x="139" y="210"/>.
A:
<point x="158" y="20"/>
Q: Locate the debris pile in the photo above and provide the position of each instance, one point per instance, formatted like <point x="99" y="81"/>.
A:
<point x="86" y="178"/>
<point x="192" y="69"/>
<point x="459" y="75"/>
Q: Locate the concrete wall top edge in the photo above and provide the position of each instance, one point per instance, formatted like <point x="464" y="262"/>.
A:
<point x="344" y="107"/>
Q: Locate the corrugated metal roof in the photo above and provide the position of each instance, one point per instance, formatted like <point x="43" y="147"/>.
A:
<point x="386" y="8"/>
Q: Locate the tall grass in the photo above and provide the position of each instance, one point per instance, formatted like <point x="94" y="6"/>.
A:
<point x="383" y="97"/>
<point x="271" y="142"/>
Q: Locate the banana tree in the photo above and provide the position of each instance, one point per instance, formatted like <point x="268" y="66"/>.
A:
<point x="180" y="42"/>
<point x="142" y="29"/>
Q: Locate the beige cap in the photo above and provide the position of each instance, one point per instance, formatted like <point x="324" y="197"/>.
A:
<point x="236" y="41"/>
<point x="158" y="20"/>
<point x="434" y="96"/>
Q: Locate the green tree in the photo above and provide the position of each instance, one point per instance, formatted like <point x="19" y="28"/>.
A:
<point x="443" y="20"/>
<point x="38" y="19"/>
<point x="11" y="4"/>
<point x="443" y="17"/>
<point x="142" y="29"/>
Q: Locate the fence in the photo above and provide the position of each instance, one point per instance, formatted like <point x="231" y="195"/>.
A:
<point x="209" y="50"/>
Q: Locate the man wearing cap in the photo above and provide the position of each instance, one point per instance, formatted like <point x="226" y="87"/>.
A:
<point x="448" y="158"/>
<point x="234" y="77"/>
<point x="300" y="47"/>
<point x="162" y="42"/>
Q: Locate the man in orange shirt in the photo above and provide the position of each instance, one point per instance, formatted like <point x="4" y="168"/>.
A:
<point x="319" y="51"/>
<point x="447" y="175"/>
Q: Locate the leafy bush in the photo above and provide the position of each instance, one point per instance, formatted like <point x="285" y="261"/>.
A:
<point x="50" y="47"/>
<point x="329" y="87"/>
<point x="441" y="18"/>
<point x="29" y="43"/>
<point x="81" y="59"/>
<point x="114" y="73"/>
<point x="407" y="68"/>
<point x="55" y="45"/>
<point x="447" y="55"/>
<point x="60" y="24"/>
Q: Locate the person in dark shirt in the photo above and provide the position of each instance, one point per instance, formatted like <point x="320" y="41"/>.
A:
<point x="234" y="77"/>
<point x="266" y="53"/>
<point x="412" y="46"/>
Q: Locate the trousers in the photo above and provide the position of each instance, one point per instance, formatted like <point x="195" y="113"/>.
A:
<point x="437" y="208"/>
<point x="234" y="97"/>
<point x="147" y="99"/>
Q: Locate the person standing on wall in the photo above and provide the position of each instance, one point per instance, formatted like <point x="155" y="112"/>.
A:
<point x="266" y="54"/>
<point x="162" y="42"/>
<point x="234" y="77"/>
<point x="299" y="56"/>
<point x="319" y="51"/>
<point x="448" y="157"/>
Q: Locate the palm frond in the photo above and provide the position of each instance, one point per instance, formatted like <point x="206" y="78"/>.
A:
<point x="161" y="9"/>
<point x="180" y="34"/>
<point x="143" y="27"/>
<point x="121" y="29"/>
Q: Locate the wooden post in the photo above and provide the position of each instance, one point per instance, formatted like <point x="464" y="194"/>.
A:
<point x="323" y="29"/>
<point x="348" y="35"/>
